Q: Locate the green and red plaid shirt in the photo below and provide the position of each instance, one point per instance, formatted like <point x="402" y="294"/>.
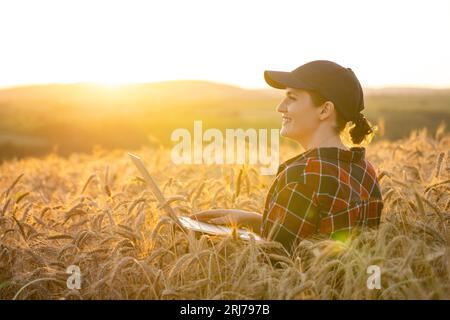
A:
<point x="326" y="190"/>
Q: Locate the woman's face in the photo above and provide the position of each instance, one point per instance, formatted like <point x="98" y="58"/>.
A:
<point x="300" y="117"/>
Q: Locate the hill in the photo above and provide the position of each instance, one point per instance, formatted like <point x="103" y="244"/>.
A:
<point x="74" y="117"/>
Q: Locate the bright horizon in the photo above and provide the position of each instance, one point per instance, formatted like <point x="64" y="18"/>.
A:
<point x="386" y="43"/>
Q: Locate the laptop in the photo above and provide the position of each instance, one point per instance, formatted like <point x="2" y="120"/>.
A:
<point x="185" y="222"/>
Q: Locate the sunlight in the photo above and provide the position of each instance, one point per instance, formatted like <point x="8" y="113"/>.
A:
<point x="168" y="40"/>
<point x="111" y="83"/>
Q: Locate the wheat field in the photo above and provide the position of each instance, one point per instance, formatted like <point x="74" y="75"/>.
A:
<point x="93" y="211"/>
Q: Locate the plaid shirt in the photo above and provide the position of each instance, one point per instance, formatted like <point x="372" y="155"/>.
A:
<point x="326" y="190"/>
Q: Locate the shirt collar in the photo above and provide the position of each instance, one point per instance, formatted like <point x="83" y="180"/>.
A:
<point x="355" y="154"/>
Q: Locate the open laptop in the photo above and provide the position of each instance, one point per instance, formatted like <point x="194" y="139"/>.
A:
<point x="182" y="221"/>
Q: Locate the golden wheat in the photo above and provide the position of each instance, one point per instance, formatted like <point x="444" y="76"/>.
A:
<point x="126" y="247"/>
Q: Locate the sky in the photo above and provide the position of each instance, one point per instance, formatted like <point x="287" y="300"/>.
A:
<point x="385" y="42"/>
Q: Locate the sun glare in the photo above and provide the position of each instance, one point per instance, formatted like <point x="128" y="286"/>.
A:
<point x="111" y="83"/>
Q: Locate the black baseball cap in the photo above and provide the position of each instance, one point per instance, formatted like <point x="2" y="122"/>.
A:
<point x="334" y="82"/>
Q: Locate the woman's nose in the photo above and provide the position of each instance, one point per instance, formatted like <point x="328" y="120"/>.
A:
<point x="282" y="106"/>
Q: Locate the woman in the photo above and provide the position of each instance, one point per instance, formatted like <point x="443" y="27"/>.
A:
<point x="329" y="189"/>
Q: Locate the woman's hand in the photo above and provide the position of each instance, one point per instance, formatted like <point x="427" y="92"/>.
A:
<point x="237" y="217"/>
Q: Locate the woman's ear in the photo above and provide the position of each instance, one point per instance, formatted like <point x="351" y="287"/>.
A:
<point x="326" y="110"/>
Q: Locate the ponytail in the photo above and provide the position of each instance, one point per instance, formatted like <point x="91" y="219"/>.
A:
<point x="362" y="130"/>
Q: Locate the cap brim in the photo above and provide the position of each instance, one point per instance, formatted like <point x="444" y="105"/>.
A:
<point x="283" y="80"/>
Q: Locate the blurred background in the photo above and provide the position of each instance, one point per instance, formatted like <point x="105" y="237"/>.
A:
<point x="75" y="75"/>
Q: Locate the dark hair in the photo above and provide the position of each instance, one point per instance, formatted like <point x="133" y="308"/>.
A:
<point x="361" y="131"/>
